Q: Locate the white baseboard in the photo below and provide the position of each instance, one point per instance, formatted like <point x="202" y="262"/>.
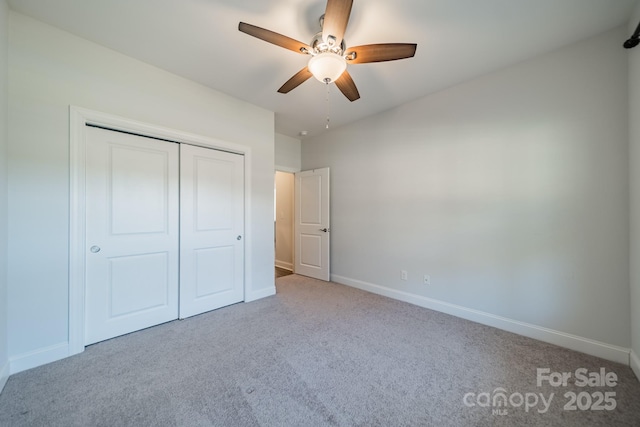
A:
<point x="4" y="375"/>
<point x="562" y="339"/>
<point x="42" y="356"/>
<point x="45" y="355"/>
<point x="262" y="293"/>
<point x="634" y="362"/>
<point x="284" y="265"/>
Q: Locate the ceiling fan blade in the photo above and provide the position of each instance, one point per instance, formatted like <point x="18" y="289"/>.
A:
<point x="275" y="38"/>
<point x="380" y="52"/>
<point x="348" y="87"/>
<point x="295" y="81"/>
<point x="336" y="18"/>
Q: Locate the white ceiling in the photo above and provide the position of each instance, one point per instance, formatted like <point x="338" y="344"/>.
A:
<point x="457" y="40"/>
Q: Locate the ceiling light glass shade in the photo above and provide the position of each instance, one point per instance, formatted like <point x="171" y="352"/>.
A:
<point x="327" y="67"/>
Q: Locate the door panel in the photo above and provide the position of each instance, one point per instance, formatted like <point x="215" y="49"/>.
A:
<point x="211" y="229"/>
<point x="312" y="224"/>
<point x="137" y="283"/>
<point x="216" y="265"/>
<point x="311" y="250"/>
<point x="214" y="192"/>
<point x="311" y="193"/>
<point x="138" y="184"/>
<point x="132" y="233"/>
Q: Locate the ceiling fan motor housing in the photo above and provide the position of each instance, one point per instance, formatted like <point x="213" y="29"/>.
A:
<point x="320" y="46"/>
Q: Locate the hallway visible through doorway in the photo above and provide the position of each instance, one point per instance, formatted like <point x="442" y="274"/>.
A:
<point x="283" y="222"/>
<point x="281" y="272"/>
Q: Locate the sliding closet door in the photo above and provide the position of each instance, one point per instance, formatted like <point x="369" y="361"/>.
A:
<point x="132" y="233"/>
<point x="211" y="229"/>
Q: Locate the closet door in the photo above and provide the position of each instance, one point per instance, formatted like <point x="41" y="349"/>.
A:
<point x="132" y="233"/>
<point x="211" y="229"/>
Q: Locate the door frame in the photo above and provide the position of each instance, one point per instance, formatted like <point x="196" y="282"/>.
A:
<point x="292" y="171"/>
<point x="79" y="118"/>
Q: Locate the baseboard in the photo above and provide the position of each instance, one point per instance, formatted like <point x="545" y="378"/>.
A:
<point x="284" y="265"/>
<point x="45" y="355"/>
<point x="262" y="293"/>
<point x="39" y="357"/>
<point x="634" y="362"/>
<point x="562" y="339"/>
<point x="4" y="375"/>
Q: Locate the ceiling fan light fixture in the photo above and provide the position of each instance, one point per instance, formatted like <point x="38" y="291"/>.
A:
<point x="328" y="51"/>
<point x="327" y="67"/>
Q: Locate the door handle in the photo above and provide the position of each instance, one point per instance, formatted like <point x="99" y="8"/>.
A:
<point x="326" y="230"/>
<point x="95" y="249"/>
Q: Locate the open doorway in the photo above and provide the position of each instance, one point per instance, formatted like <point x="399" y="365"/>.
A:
<point x="283" y="223"/>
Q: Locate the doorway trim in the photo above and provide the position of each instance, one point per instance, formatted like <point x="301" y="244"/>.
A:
<point x="79" y="118"/>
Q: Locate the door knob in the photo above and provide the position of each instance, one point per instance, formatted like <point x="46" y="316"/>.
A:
<point x="239" y="238"/>
<point x="326" y="230"/>
<point x="95" y="249"/>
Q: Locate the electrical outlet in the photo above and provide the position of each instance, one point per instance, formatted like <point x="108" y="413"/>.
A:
<point x="403" y="274"/>
<point x="427" y="279"/>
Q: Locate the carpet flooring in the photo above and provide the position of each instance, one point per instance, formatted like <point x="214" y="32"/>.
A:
<point x="322" y="354"/>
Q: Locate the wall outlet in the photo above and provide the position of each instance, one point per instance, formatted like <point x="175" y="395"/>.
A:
<point x="403" y="274"/>
<point x="427" y="279"/>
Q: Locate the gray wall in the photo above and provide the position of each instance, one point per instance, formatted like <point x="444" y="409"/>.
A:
<point x="50" y="70"/>
<point x="4" y="358"/>
<point x="510" y="191"/>
<point x="287" y="153"/>
<point x="634" y="134"/>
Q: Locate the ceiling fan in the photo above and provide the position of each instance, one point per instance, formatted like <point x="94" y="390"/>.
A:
<point x="329" y="53"/>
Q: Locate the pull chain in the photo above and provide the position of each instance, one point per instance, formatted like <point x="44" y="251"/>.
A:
<point x="327" y="81"/>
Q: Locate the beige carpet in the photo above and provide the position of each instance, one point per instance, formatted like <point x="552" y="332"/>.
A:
<point x="319" y="354"/>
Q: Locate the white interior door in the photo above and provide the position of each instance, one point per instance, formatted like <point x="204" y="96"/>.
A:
<point x="312" y="225"/>
<point x="132" y="233"/>
<point x="211" y="229"/>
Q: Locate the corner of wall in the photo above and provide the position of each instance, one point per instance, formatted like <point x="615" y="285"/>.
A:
<point x="634" y="196"/>
<point x="4" y="353"/>
<point x="4" y="375"/>
<point x="634" y="362"/>
<point x="287" y="153"/>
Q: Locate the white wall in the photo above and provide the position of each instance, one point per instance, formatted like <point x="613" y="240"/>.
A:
<point x="287" y="153"/>
<point x="284" y="219"/>
<point x="4" y="355"/>
<point x="50" y="70"/>
<point x="510" y="191"/>
<point x="634" y="156"/>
